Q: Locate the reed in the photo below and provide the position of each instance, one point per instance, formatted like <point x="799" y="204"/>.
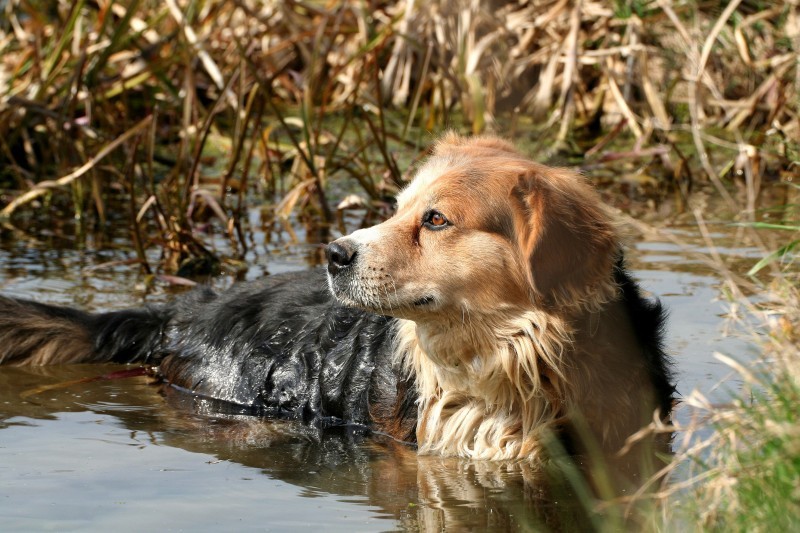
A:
<point x="736" y="464"/>
<point x="191" y="106"/>
<point x="744" y="476"/>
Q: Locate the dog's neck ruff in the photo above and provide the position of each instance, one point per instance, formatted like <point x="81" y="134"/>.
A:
<point x="487" y="388"/>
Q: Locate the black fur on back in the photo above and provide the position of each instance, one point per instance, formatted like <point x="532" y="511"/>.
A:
<point x="286" y="348"/>
<point x="279" y="347"/>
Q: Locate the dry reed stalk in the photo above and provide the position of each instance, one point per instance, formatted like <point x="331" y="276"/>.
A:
<point x="694" y="98"/>
<point x="700" y="486"/>
<point x="567" y="101"/>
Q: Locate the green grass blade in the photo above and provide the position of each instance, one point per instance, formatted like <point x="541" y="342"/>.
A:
<point x="777" y="254"/>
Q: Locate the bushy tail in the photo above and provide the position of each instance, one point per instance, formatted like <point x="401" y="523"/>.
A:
<point x="32" y="333"/>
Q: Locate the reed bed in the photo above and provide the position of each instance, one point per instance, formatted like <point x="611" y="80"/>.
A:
<point x="188" y="111"/>
<point x="748" y="480"/>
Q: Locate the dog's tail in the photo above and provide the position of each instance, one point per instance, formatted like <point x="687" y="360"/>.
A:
<point x="32" y="333"/>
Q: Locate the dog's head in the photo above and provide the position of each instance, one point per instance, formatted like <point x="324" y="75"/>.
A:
<point x="480" y="230"/>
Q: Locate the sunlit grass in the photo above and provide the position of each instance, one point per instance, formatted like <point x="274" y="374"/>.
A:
<point x="749" y="472"/>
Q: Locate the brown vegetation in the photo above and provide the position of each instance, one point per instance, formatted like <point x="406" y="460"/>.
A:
<point x="183" y="110"/>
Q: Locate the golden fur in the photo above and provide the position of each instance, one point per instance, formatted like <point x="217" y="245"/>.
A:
<point x="509" y="316"/>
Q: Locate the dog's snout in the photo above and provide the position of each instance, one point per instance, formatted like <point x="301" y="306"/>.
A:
<point x="340" y="254"/>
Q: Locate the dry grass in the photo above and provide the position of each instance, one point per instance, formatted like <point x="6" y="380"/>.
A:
<point x="187" y="108"/>
<point x="744" y="477"/>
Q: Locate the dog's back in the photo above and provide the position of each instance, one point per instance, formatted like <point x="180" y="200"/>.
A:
<point x="280" y="347"/>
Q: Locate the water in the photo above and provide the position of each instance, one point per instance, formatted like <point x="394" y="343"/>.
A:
<point x="118" y="454"/>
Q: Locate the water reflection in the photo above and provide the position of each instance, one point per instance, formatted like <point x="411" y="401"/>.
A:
<point x="128" y="416"/>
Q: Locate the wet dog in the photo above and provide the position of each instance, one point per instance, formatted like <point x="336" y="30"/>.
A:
<point x="492" y="310"/>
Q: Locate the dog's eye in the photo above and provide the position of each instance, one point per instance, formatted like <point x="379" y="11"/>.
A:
<point x="435" y="220"/>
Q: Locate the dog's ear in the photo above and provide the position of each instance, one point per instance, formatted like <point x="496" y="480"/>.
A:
<point x="566" y="237"/>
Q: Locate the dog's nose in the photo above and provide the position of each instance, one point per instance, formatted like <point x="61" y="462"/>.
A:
<point x="340" y="254"/>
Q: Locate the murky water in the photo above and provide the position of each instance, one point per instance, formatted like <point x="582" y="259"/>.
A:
<point x="111" y="454"/>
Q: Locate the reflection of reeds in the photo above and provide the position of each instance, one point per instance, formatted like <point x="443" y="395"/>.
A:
<point x="744" y="477"/>
<point x="288" y="96"/>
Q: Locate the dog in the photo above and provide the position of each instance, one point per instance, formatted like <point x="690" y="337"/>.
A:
<point x="493" y="310"/>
